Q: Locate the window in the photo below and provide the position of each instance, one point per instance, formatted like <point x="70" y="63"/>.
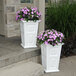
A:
<point x="46" y="1"/>
<point x="26" y="1"/>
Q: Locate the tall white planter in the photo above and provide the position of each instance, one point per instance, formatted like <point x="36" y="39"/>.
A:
<point x="51" y="57"/>
<point x="29" y="33"/>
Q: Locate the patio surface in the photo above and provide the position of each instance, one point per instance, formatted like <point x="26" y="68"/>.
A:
<point x="11" y="51"/>
<point x="11" y="47"/>
<point x="67" y="67"/>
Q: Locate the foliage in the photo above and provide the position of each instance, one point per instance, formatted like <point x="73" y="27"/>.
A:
<point x="69" y="48"/>
<point x="62" y="17"/>
<point x="28" y="14"/>
<point x="52" y="37"/>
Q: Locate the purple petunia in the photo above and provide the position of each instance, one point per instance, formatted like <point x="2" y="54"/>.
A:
<point x="22" y="19"/>
<point x="52" y="37"/>
<point x="28" y="14"/>
<point x="46" y="42"/>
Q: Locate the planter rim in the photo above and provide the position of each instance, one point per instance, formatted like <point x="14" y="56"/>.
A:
<point x="52" y="45"/>
<point x="31" y="21"/>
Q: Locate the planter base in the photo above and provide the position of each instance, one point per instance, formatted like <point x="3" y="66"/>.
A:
<point x="28" y="46"/>
<point x="51" y="71"/>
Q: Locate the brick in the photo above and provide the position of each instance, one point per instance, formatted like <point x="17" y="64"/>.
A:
<point x="10" y="9"/>
<point x="12" y="2"/>
<point x="13" y="30"/>
<point x="18" y="7"/>
<point x="11" y="18"/>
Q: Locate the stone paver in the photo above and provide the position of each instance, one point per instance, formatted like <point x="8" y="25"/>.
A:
<point x="22" y="69"/>
<point x="67" y="67"/>
<point x="11" y="47"/>
<point x="12" y="52"/>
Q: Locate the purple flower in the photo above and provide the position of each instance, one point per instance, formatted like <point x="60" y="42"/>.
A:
<point x="54" y="36"/>
<point x="60" y="38"/>
<point x="45" y="35"/>
<point x="50" y="36"/>
<point x="29" y="14"/>
<point x="32" y="12"/>
<point x="60" y="41"/>
<point x="56" y="33"/>
<point x="42" y="38"/>
<point x="39" y="37"/>
<point x="21" y="19"/>
<point x="17" y="12"/>
<point x="50" y="40"/>
<point x="39" y="14"/>
<point x="62" y="35"/>
<point x="34" y="9"/>
<point x="25" y="12"/>
<point x="41" y="34"/>
<point x="46" y="42"/>
<point x="49" y="32"/>
<point x="57" y="42"/>
<point x="22" y="10"/>
<point x="17" y="17"/>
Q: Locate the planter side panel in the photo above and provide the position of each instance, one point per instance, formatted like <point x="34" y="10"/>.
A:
<point x="52" y="56"/>
<point x="29" y="34"/>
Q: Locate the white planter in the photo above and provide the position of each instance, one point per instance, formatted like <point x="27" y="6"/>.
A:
<point x="51" y="57"/>
<point x="29" y="33"/>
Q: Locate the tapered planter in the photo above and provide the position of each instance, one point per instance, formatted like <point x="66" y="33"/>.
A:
<point x="29" y="33"/>
<point x="51" y="57"/>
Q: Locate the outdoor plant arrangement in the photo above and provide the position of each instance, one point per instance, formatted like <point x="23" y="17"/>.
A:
<point x="62" y="17"/>
<point x="51" y="42"/>
<point x="27" y="14"/>
<point x="29" y="19"/>
<point x="69" y="49"/>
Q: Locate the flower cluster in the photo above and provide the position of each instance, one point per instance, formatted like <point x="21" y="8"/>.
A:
<point x="28" y="14"/>
<point x="52" y="37"/>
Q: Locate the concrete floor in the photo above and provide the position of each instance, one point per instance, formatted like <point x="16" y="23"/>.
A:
<point x="11" y="51"/>
<point x="67" y="67"/>
<point x="9" y="46"/>
<point x="22" y="69"/>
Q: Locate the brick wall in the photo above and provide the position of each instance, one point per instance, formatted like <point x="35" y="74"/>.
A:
<point x="11" y="7"/>
<point x="1" y="18"/>
<point x="12" y="28"/>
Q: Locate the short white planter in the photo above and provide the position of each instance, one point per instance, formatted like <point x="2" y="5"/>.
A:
<point x="50" y="57"/>
<point x="29" y="33"/>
